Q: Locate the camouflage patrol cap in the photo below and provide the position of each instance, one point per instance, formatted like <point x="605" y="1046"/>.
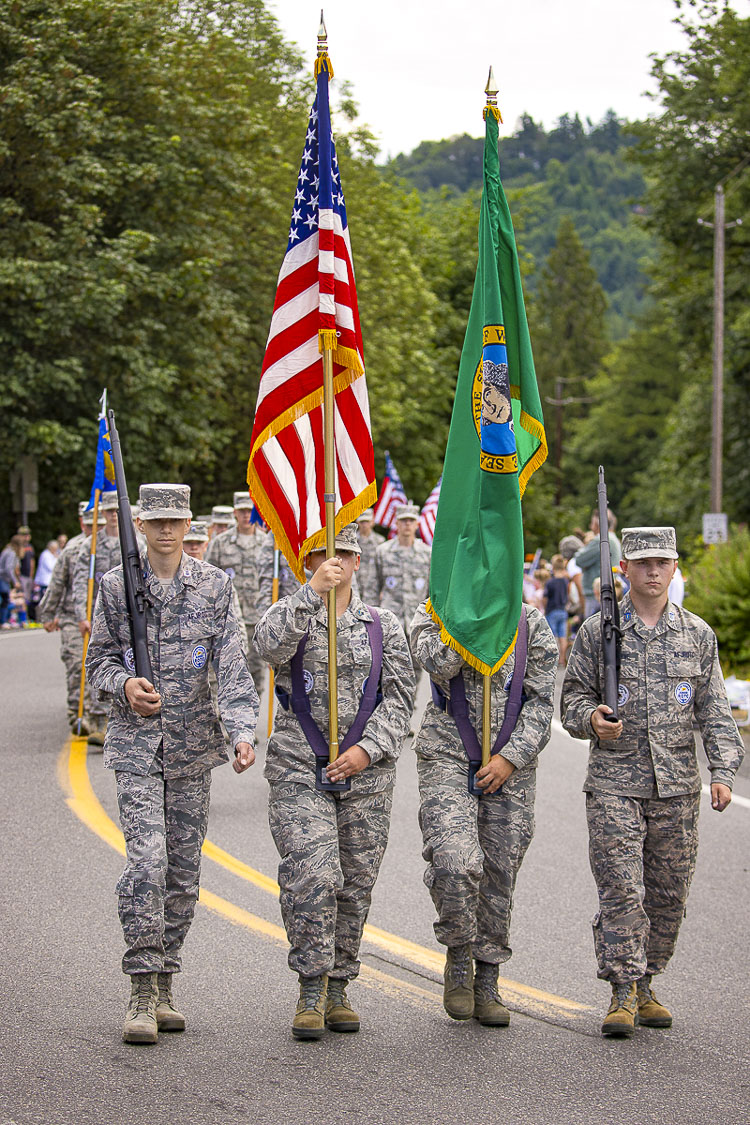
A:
<point x="203" y="519"/>
<point x="196" y="533"/>
<point x="407" y="511"/>
<point x="569" y="545"/>
<point x="108" y="502"/>
<point x="368" y="514"/>
<point x="222" y="513"/>
<point x="88" y="516"/>
<point x="649" y="542"/>
<point x="242" y="500"/>
<point x="164" y="502"/>
<point x="348" y="539"/>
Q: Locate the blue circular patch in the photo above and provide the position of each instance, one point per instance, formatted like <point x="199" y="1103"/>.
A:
<point x="683" y="693"/>
<point x="199" y="657"/>
<point x="508" y="681"/>
<point x="391" y="582"/>
<point x="230" y="571"/>
<point x="129" y="660"/>
<point x="623" y="695"/>
<point x="309" y="681"/>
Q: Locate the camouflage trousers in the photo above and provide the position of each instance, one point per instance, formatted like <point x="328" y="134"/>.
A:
<point x="642" y="853"/>
<point x="474" y="847"/>
<point x="71" y="654"/>
<point x="331" y="847"/>
<point x="164" y="823"/>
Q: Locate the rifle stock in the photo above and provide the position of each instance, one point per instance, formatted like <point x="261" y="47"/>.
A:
<point x="135" y="587"/>
<point x="610" y="613"/>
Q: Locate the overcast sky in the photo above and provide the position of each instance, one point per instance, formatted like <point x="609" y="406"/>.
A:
<point x="419" y="67"/>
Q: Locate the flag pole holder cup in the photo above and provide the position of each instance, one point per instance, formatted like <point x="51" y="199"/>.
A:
<point x="474" y="789"/>
<point x="323" y="785"/>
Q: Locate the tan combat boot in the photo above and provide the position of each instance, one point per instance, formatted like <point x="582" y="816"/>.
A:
<point x="488" y="1005"/>
<point x="140" y="1022"/>
<point x="340" y="1016"/>
<point x="167" y="1016"/>
<point x="620" y="1019"/>
<point x="650" y="1012"/>
<point x="458" y="988"/>
<point x="310" y="1018"/>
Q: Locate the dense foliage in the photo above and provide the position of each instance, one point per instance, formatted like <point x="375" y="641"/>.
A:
<point x="718" y="590"/>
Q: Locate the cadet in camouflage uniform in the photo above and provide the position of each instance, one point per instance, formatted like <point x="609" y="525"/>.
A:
<point x="195" y="544"/>
<point x="367" y="575"/>
<point x="331" y="843"/>
<point x="287" y="580"/>
<point x="235" y="551"/>
<point x="403" y="570"/>
<point x="222" y="518"/>
<point x="163" y="739"/>
<point x="474" y="846"/>
<point x="643" y="785"/>
<point x="57" y="611"/>
<point x="107" y="557"/>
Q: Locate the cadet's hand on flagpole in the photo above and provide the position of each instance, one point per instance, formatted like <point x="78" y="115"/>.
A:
<point x="329" y="574"/>
<point x="352" y="761"/>
<point x="84" y="627"/>
<point x="602" y="728"/>
<point x="244" y="756"/>
<point x="142" y="696"/>
<point x="494" y="774"/>
<point x="721" y="796"/>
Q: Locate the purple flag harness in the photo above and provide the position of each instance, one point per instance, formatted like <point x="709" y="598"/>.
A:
<point x="371" y="695"/>
<point x="457" y="704"/>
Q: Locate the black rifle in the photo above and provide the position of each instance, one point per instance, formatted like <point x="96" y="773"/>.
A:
<point x="135" y="587"/>
<point x="610" y="612"/>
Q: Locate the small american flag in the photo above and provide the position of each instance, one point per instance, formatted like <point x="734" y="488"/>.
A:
<point x="392" y="496"/>
<point x="315" y="307"/>
<point x="428" y="514"/>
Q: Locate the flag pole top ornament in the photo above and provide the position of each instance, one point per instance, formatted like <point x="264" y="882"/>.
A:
<point x="323" y="62"/>
<point x="491" y="93"/>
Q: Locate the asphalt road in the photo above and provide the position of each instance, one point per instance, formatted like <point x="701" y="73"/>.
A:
<point x="63" y="995"/>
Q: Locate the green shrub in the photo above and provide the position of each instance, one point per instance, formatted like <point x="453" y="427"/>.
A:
<point x="718" y="590"/>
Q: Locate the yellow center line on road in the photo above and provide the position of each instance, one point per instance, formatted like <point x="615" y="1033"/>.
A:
<point x="74" y="780"/>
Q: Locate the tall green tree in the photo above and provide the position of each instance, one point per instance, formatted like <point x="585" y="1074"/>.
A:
<point x="699" y="140"/>
<point x="570" y="341"/>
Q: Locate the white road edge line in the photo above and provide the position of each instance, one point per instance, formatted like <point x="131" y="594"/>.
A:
<point x="558" y="728"/>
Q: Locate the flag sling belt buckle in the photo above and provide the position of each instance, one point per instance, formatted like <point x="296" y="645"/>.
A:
<point x="300" y="700"/>
<point x="458" y="707"/>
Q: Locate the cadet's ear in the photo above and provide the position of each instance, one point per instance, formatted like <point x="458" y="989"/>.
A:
<point x="357" y="560"/>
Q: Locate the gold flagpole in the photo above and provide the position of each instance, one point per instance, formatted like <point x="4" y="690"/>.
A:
<point x="274" y="599"/>
<point x="490" y="91"/>
<point x="330" y="479"/>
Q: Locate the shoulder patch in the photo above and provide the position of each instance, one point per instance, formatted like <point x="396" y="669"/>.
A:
<point x="199" y="656"/>
<point x="391" y="582"/>
<point x="623" y="695"/>
<point x="229" y="570"/>
<point x="309" y="681"/>
<point x="129" y="660"/>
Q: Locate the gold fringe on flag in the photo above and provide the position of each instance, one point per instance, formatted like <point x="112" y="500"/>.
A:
<point x="323" y="63"/>
<point x="474" y="661"/>
<point x="495" y="113"/>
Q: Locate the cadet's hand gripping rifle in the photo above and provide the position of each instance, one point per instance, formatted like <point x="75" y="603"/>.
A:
<point x="135" y="588"/>
<point x="610" y="613"/>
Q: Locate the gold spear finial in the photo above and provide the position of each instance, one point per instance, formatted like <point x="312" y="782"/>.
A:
<point x="491" y="92"/>
<point x="323" y="62"/>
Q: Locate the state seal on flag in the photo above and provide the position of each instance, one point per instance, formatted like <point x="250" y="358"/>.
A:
<point x="491" y="405"/>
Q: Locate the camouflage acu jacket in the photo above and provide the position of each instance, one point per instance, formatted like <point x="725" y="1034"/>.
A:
<point x="367" y="575"/>
<point x="58" y="597"/>
<point x="190" y="626"/>
<point x="287" y="581"/>
<point x="289" y="756"/>
<point x="403" y="577"/>
<point x="108" y="556"/>
<point x="240" y="561"/>
<point x="439" y="735"/>
<point x="669" y="676"/>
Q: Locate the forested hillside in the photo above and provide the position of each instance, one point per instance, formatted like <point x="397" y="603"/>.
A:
<point x="581" y="172"/>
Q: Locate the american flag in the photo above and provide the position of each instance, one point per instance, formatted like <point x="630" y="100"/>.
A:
<point x="316" y="306"/>
<point x="392" y="496"/>
<point x="428" y="514"/>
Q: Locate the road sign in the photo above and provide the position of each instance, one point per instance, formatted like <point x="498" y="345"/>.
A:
<point x="715" y="527"/>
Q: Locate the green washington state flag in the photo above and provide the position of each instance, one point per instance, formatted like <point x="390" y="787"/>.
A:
<point x="496" y="441"/>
